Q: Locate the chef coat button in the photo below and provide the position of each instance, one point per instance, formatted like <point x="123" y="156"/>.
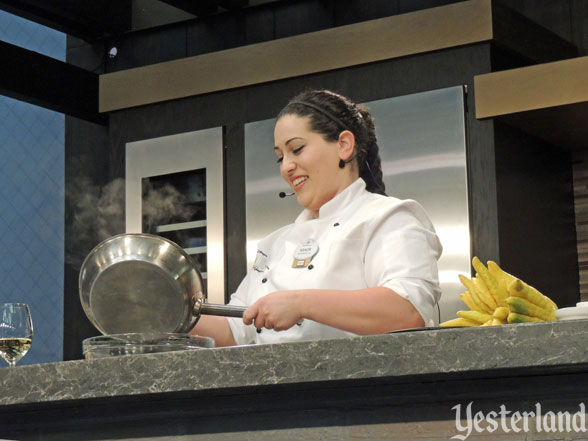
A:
<point x="264" y="280"/>
<point x="310" y="267"/>
<point x="336" y="224"/>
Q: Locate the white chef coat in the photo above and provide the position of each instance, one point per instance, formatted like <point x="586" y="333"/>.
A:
<point x="365" y="240"/>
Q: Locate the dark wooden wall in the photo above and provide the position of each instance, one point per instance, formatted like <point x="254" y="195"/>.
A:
<point x="537" y="234"/>
<point x="566" y="18"/>
<point x="97" y="152"/>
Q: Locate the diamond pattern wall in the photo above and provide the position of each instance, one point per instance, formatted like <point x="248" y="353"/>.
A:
<point x="32" y="199"/>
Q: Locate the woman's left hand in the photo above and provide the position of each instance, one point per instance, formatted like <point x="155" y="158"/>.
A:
<point x="278" y="311"/>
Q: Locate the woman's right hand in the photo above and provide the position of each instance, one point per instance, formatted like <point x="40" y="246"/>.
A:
<point x="278" y="311"/>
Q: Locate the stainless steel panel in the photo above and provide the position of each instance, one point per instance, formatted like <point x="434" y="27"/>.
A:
<point x="174" y="154"/>
<point x="422" y="147"/>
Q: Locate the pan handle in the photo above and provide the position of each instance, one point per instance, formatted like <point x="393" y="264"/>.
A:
<point x="201" y="308"/>
<point x="223" y="310"/>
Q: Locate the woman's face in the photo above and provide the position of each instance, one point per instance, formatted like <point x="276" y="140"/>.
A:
<point x="309" y="163"/>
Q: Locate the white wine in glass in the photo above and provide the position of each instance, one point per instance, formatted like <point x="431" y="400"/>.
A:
<point x="16" y="331"/>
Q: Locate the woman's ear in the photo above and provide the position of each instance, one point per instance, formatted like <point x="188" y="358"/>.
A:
<point x="346" y="145"/>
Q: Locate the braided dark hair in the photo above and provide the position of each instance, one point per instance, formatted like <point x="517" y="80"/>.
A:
<point x="329" y="114"/>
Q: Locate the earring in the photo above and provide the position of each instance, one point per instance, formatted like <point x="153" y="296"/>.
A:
<point x="341" y="163"/>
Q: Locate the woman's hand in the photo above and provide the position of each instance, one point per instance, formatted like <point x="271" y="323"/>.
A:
<point x="278" y="311"/>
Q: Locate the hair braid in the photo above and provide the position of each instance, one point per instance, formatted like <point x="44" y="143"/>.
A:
<point x="370" y="165"/>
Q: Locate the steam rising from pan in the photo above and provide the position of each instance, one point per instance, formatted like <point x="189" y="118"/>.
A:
<point x="95" y="213"/>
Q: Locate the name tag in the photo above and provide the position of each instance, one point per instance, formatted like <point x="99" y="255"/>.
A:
<point x="304" y="253"/>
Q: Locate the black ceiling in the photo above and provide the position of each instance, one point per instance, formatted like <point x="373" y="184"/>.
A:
<point x="89" y="20"/>
<point x="35" y="78"/>
<point x="95" y="20"/>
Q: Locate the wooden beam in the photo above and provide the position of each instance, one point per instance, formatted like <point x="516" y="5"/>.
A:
<point x="44" y="81"/>
<point x="532" y="87"/>
<point x="391" y="37"/>
<point x="548" y="100"/>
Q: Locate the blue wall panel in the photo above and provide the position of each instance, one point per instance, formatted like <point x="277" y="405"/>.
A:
<point x="32" y="199"/>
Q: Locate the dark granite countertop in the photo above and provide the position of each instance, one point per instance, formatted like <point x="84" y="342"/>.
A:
<point x="402" y="356"/>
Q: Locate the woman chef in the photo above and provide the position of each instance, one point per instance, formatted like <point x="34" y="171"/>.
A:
<point x="354" y="261"/>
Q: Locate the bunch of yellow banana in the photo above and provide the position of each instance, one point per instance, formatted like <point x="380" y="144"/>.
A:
<point x="496" y="298"/>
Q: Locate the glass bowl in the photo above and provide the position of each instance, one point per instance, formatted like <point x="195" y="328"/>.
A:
<point x="114" y="345"/>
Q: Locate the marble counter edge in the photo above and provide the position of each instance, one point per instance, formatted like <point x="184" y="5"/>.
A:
<point x="398" y="355"/>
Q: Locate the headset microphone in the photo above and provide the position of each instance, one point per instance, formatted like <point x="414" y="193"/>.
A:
<point x="283" y="195"/>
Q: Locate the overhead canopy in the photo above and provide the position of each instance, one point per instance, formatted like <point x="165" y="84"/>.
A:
<point x="56" y="85"/>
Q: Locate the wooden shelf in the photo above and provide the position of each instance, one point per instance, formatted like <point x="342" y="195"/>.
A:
<point x="549" y="100"/>
<point x="428" y="30"/>
<point x="412" y="33"/>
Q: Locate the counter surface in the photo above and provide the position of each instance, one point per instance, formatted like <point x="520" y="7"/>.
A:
<point x="397" y="357"/>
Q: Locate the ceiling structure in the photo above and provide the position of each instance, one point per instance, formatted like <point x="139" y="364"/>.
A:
<point x="47" y="82"/>
<point x="95" y="20"/>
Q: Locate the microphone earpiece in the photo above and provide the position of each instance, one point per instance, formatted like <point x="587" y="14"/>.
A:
<point x="283" y="195"/>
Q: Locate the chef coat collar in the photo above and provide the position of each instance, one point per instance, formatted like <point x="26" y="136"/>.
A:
<point x="338" y="204"/>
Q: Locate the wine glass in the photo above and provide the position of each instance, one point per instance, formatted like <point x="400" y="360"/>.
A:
<point x="16" y="331"/>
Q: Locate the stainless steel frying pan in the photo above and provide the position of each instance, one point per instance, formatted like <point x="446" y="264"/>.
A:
<point x="144" y="283"/>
